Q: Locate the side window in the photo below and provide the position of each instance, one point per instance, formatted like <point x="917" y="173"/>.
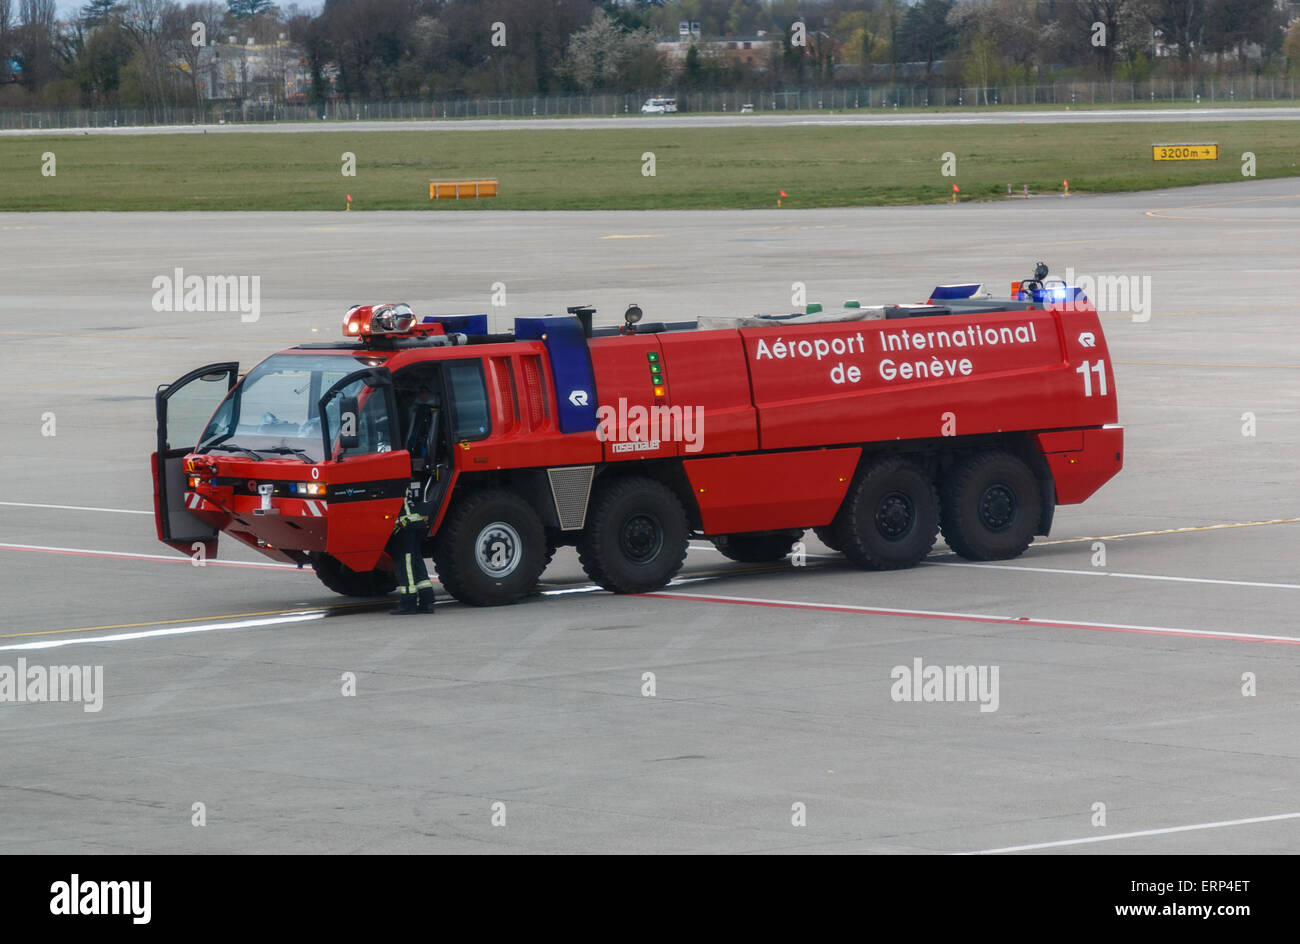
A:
<point x="372" y="420"/>
<point x="470" y="417"/>
<point x="374" y="432"/>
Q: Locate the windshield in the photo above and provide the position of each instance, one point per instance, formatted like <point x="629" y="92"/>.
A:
<point x="275" y="409"/>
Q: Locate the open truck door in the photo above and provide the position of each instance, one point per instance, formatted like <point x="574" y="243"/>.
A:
<point x="369" y="466"/>
<point x="184" y="408"/>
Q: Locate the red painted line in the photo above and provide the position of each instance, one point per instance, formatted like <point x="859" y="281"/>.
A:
<point x="980" y="618"/>
<point x="152" y="558"/>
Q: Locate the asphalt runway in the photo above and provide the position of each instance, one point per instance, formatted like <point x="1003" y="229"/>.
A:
<point x="857" y="118"/>
<point x="1119" y="685"/>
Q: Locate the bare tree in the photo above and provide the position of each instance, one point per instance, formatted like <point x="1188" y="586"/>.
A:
<point x="145" y="22"/>
<point x="34" y="42"/>
<point x="6" y="17"/>
<point x="1182" y="24"/>
<point x="187" y="41"/>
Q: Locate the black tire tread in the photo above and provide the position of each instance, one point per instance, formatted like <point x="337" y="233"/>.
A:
<point x="595" y="557"/>
<point x="827" y="535"/>
<point x="456" y="569"/>
<point x="761" y="547"/>
<point x="965" y="541"/>
<point x="847" y="530"/>
<point x="342" y="579"/>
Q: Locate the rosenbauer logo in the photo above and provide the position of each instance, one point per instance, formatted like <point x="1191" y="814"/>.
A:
<point x="639" y="428"/>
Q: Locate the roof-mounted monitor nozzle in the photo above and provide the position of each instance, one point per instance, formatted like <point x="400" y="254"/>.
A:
<point x="1028" y="287"/>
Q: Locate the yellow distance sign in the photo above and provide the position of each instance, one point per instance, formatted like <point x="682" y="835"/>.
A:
<point x="1185" y="152"/>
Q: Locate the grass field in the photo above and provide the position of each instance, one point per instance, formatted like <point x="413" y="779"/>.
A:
<point x="695" y="168"/>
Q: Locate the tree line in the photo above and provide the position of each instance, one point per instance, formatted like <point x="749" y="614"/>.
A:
<point x="150" y="52"/>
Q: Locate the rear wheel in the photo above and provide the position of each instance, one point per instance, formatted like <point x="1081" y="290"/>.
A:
<point x="758" y="547"/>
<point x="991" y="506"/>
<point x="890" y="517"/>
<point x="341" y="578"/>
<point x="490" y="549"/>
<point x="635" y="538"/>
<point x="826" y="534"/>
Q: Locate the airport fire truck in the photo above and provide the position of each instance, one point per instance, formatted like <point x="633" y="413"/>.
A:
<point x="877" y="427"/>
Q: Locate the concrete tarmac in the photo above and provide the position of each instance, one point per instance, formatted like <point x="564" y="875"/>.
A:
<point x="1119" y="684"/>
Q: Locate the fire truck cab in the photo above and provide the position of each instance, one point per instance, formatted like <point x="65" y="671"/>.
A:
<point x="878" y="427"/>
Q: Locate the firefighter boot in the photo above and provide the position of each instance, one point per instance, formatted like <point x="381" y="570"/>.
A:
<point x="425" y="600"/>
<point x="406" y="605"/>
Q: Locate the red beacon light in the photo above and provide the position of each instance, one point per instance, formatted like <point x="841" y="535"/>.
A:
<point x="390" y="319"/>
<point x="371" y="320"/>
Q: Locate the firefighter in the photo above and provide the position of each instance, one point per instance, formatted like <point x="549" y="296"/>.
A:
<point x="414" y="588"/>
<point x="423" y="497"/>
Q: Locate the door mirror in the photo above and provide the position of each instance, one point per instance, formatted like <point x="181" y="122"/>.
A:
<point x="349" y="423"/>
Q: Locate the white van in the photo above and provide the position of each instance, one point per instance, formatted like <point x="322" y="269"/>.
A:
<point x="659" y="106"/>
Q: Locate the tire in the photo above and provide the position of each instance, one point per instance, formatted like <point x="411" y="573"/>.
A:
<point x="490" y="549"/>
<point x="758" y="547"/>
<point x="991" y="506"/>
<point x="826" y="534"/>
<point x="635" y="538"/>
<point x="551" y="548"/>
<point x="341" y="578"/>
<point x="890" y="517"/>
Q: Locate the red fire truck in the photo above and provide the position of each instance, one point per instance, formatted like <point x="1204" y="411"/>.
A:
<point x="877" y="427"/>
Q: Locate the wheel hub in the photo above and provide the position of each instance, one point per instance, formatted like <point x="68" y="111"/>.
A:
<point x="998" y="507"/>
<point x="641" y="538"/>
<point x="895" y="515"/>
<point x="498" y="550"/>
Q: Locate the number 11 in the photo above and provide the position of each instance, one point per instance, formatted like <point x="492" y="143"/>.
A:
<point x="1086" y="369"/>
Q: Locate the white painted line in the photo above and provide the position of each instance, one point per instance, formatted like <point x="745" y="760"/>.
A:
<point x="1114" y="573"/>
<point x="168" y="558"/>
<point x="168" y="631"/>
<point x="1144" y="832"/>
<point x="697" y="546"/>
<point x="1026" y="621"/>
<point x="117" y="511"/>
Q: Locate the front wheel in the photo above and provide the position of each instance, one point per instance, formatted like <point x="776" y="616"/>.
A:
<point x="490" y="549"/>
<point x="636" y="536"/>
<point x="341" y="578"/>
